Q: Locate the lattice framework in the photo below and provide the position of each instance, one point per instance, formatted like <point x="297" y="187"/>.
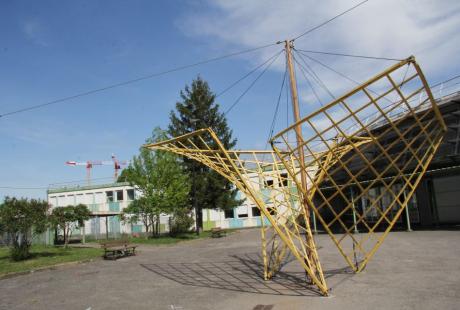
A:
<point x="250" y="171"/>
<point x="372" y="147"/>
<point x="365" y="154"/>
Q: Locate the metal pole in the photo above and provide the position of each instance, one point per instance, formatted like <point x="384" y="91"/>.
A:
<point x="407" y="212"/>
<point x="315" y="231"/>
<point x="354" y="211"/>
<point x="97" y="228"/>
<point x="289" y="44"/>
<point x="197" y="227"/>
<point x="84" y="233"/>
<point x="264" y="246"/>
<point x="195" y="207"/>
<point x="107" y="227"/>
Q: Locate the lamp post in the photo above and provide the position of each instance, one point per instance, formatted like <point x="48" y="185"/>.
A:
<point x="193" y="121"/>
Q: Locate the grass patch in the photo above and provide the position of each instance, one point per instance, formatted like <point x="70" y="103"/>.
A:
<point x="45" y="256"/>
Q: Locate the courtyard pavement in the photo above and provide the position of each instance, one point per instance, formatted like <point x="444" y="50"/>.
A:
<point x="417" y="270"/>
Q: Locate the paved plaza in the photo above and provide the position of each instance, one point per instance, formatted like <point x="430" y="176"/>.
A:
<point x="417" y="270"/>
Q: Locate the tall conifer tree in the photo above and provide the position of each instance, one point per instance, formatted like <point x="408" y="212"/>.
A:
<point x="197" y="109"/>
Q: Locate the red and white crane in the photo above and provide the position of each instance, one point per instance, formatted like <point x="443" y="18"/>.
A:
<point x="90" y="163"/>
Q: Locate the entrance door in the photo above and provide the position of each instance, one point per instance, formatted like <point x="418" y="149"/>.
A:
<point x="447" y="194"/>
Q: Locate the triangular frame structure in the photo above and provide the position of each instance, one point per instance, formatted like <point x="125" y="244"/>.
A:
<point x="372" y="146"/>
<point x="249" y="171"/>
<point x="358" y="143"/>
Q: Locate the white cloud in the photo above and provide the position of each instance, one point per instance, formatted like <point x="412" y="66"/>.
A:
<point x="393" y="28"/>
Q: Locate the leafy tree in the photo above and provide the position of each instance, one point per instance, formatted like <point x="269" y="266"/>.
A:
<point x="69" y="218"/>
<point x="180" y="221"/>
<point x="139" y="210"/>
<point x="159" y="177"/>
<point x="196" y="110"/>
<point x="21" y="219"/>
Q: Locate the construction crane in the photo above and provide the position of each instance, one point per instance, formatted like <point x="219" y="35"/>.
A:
<point x="90" y="163"/>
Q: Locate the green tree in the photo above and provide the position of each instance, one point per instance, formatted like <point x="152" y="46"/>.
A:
<point x="70" y="218"/>
<point x="159" y="177"/>
<point x="140" y="210"/>
<point x="21" y="219"/>
<point x="196" y="110"/>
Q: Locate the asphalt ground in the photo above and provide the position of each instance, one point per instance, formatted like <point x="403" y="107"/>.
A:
<point x="416" y="270"/>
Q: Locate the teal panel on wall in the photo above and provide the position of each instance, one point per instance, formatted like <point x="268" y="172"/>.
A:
<point x="94" y="207"/>
<point x="114" y="206"/>
<point x="137" y="229"/>
<point x="114" y="224"/>
<point x="235" y="222"/>
<point x="259" y="221"/>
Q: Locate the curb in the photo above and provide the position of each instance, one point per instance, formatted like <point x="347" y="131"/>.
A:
<point x="44" y="268"/>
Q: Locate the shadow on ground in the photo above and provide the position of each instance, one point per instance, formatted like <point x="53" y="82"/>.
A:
<point x="243" y="273"/>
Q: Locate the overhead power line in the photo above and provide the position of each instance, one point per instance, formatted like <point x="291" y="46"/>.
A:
<point x="146" y="77"/>
<point x="53" y="185"/>
<point x="253" y="82"/>
<point x="157" y="74"/>
<point x="246" y="75"/>
<point x="329" y="20"/>
<point x="23" y="188"/>
<point x="275" y="114"/>
<point x="350" y="55"/>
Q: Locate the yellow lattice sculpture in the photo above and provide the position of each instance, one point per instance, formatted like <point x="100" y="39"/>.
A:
<point x="371" y="147"/>
<point x="358" y="169"/>
<point x="279" y="203"/>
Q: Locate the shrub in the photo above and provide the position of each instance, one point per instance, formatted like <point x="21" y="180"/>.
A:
<point x="180" y="222"/>
<point x="21" y="219"/>
<point x="20" y="252"/>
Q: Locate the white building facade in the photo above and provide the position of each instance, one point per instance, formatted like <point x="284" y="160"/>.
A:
<point x="107" y="201"/>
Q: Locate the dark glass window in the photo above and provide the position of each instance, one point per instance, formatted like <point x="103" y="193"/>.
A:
<point x="255" y="211"/>
<point x="109" y="196"/>
<point x="284" y="179"/>
<point x="242" y="215"/>
<point x="130" y="194"/>
<point x="228" y="214"/>
<point x="269" y="183"/>
<point x="119" y="195"/>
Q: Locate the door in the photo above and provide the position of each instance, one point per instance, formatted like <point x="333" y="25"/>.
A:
<point x="447" y="196"/>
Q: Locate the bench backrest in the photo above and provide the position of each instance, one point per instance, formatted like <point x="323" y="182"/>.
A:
<point x="114" y="243"/>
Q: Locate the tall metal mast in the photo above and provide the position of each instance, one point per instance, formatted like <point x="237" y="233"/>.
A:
<point x="289" y="44"/>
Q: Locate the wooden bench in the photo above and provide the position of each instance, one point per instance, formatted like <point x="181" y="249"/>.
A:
<point x="118" y="248"/>
<point x="218" y="232"/>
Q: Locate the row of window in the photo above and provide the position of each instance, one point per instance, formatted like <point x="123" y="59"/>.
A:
<point x="229" y="214"/>
<point x="119" y="194"/>
<point x="92" y="198"/>
<point x="282" y="181"/>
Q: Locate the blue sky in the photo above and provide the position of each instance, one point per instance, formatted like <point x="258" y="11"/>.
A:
<point x="53" y="49"/>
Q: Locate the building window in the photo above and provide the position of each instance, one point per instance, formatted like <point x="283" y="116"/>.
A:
<point x="283" y="180"/>
<point x="269" y="183"/>
<point x="130" y="194"/>
<point x="228" y="214"/>
<point x="109" y="196"/>
<point x="120" y="196"/>
<point x="255" y="211"/>
<point x="242" y="215"/>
